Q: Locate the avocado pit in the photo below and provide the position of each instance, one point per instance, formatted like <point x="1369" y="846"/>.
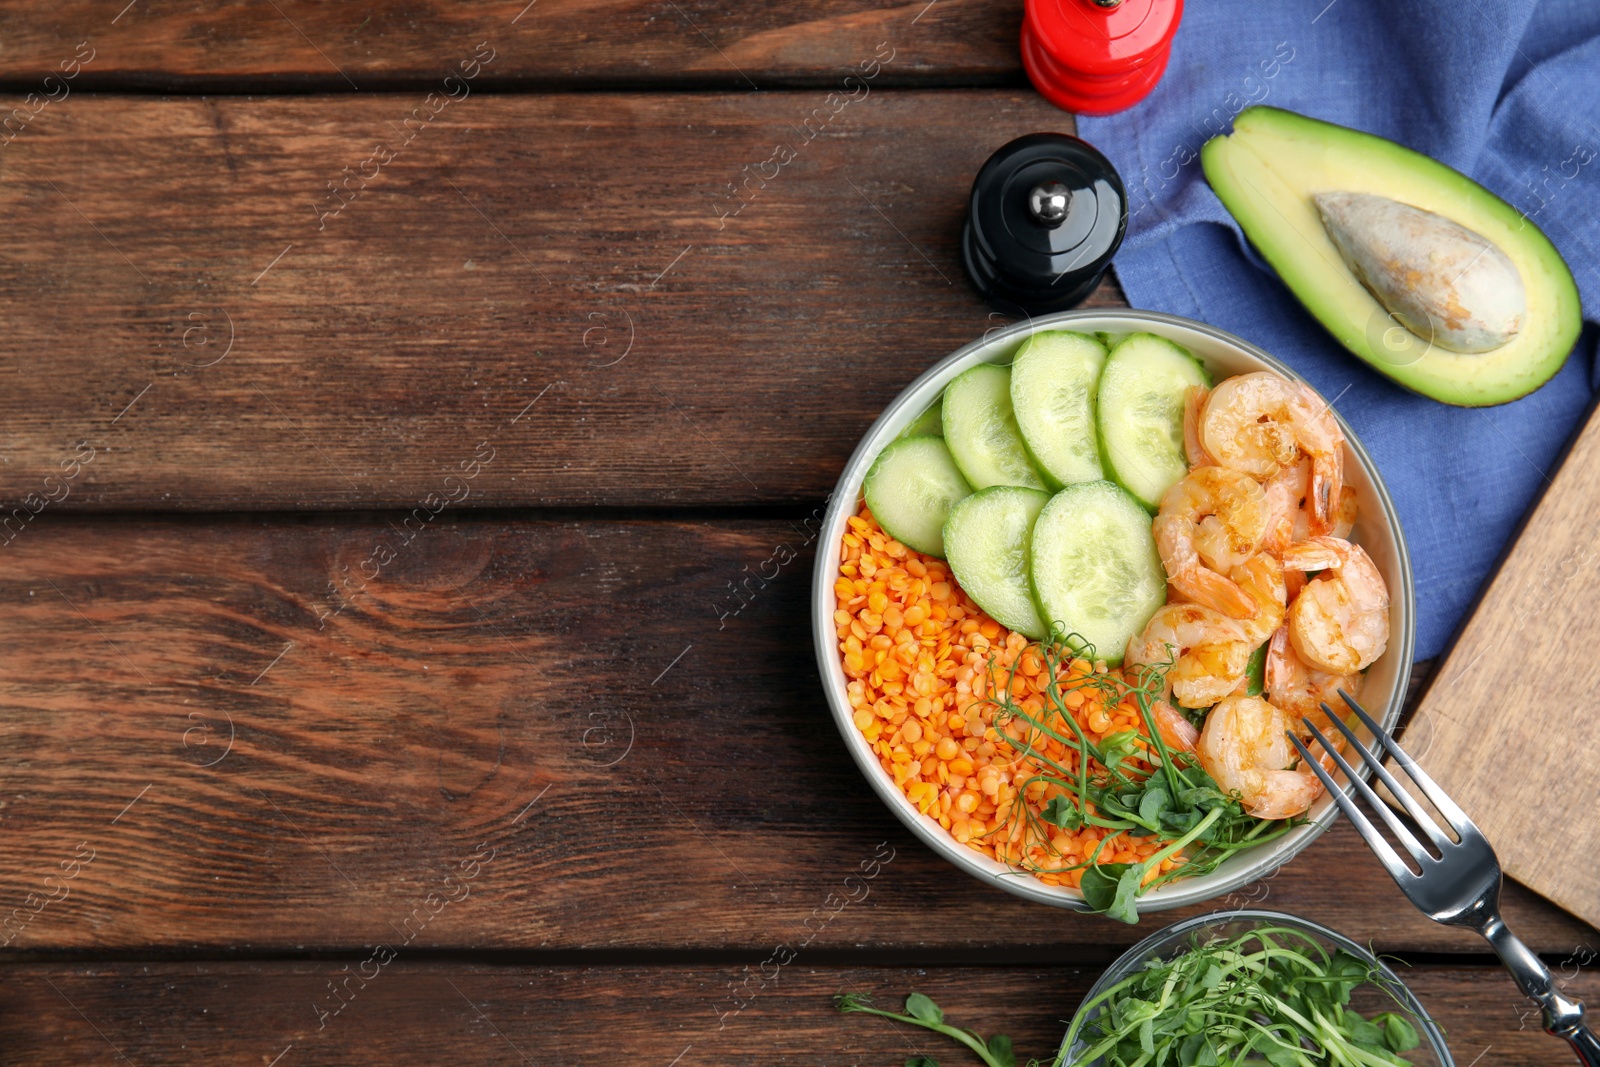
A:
<point x="1444" y="282"/>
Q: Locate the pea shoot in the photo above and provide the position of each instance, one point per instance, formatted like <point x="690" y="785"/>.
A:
<point x="1130" y="782"/>
<point x="922" y="1011"/>
<point x="1272" y="995"/>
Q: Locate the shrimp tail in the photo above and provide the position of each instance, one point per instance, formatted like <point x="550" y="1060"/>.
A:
<point x="1279" y="674"/>
<point x="1325" y="496"/>
<point x="1211" y="589"/>
<point x="1327" y="466"/>
<point x="1285" y="794"/>
<point x="1176" y="729"/>
<point x="1318" y="553"/>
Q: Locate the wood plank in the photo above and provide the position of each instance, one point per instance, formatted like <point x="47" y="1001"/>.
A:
<point x="576" y="700"/>
<point x="549" y="273"/>
<point x="429" y="1013"/>
<point x="299" y="43"/>
<point x="1475" y="719"/>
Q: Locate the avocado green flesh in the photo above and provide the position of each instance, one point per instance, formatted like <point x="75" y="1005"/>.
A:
<point x="1266" y="173"/>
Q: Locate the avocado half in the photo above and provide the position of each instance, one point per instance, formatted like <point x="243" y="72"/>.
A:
<point x="1266" y="174"/>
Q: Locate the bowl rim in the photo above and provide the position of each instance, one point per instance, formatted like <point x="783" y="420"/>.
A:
<point x="841" y="504"/>
<point x="1124" y="965"/>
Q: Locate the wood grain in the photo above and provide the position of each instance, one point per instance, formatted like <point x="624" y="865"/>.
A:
<point x="544" y="744"/>
<point x="1476" y="718"/>
<point x="647" y="764"/>
<point x="548" y="273"/>
<point x="297" y="44"/>
<point x="430" y="1013"/>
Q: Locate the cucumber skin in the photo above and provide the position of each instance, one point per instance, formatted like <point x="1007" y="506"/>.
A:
<point x="1115" y="657"/>
<point x="1105" y="453"/>
<point x="1050" y="481"/>
<point x="1034" y="628"/>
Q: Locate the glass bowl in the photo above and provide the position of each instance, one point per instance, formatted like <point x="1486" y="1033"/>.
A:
<point x="1388" y="993"/>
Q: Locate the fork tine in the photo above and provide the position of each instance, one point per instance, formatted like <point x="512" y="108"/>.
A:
<point x="1415" y="810"/>
<point x="1437" y="797"/>
<point x="1380" y="848"/>
<point x="1396" y="827"/>
<point x="1338" y="795"/>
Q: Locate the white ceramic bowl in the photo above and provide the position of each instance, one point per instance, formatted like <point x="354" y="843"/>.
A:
<point x="1377" y="529"/>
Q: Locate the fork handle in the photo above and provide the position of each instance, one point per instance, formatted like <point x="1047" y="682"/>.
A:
<point x="1586" y="1045"/>
<point x="1563" y="1016"/>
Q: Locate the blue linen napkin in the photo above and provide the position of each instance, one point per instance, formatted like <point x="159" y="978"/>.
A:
<point x="1507" y="91"/>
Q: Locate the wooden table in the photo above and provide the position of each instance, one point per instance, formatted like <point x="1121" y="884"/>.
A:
<point x="393" y="399"/>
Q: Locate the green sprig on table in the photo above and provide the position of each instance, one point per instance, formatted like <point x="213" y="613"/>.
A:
<point x="922" y="1011"/>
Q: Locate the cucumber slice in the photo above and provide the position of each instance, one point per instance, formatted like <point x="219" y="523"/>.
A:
<point x="1141" y="414"/>
<point x="986" y="541"/>
<point x="981" y="430"/>
<point x="929" y="424"/>
<point x="1053" y="384"/>
<point x="1094" y="567"/>
<point x="911" y="487"/>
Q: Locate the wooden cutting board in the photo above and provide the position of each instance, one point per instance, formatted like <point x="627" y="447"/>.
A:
<point x="1510" y="724"/>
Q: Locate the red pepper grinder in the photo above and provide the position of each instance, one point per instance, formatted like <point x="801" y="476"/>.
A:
<point x="1094" y="57"/>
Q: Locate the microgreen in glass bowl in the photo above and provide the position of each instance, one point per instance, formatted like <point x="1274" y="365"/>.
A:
<point x="1251" y="987"/>
<point x="1229" y="988"/>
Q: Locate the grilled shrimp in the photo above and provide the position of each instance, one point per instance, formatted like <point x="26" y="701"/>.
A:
<point x="1211" y="520"/>
<point x="1245" y="747"/>
<point x="1287" y="520"/>
<point x="1286" y="497"/>
<point x="1301" y="690"/>
<point x="1340" y="621"/>
<point x="1262" y="579"/>
<point x="1260" y="423"/>
<point x="1208" y="651"/>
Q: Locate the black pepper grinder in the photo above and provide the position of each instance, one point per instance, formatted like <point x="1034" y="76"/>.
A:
<point x="1047" y="213"/>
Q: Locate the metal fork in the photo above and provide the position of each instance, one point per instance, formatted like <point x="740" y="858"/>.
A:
<point x="1458" y="887"/>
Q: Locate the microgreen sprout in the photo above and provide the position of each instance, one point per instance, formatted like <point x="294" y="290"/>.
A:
<point x="1129" y="782"/>
<point x="922" y="1011"/>
<point x="1270" y="995"/>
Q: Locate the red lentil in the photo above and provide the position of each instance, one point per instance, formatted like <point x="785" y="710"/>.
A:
<point x="917" y="652"/>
